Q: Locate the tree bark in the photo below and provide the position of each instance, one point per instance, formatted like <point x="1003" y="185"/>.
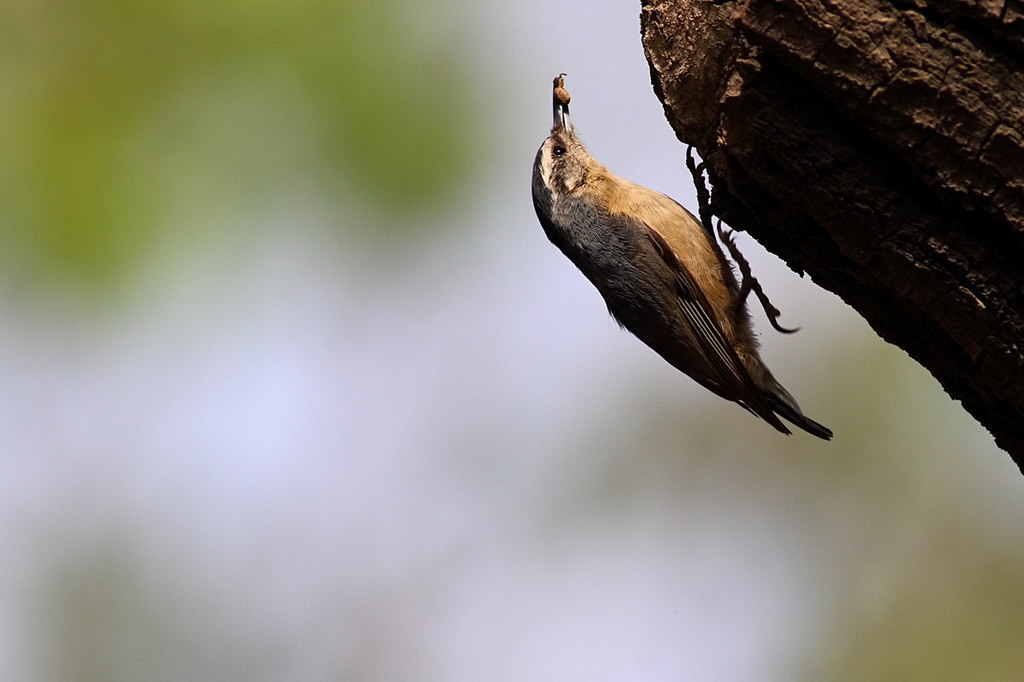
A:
<point x="877" y="145"/>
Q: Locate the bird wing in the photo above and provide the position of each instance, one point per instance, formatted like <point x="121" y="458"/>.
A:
<point x="721" y="358"/>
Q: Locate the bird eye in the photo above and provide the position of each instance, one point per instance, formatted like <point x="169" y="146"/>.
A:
<point x="559" y="150"/>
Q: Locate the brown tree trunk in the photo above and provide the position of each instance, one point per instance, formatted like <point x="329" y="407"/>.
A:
<point x="877" y="145"/>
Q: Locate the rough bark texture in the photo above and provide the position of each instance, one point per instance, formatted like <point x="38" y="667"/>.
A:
<point x="877" y="145"/>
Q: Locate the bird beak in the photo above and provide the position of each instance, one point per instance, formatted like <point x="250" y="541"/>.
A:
<point x="558" y="119"/>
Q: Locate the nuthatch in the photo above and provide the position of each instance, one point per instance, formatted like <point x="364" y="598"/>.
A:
<point x="661" y="274"/>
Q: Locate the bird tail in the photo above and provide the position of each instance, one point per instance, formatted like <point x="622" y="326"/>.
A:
<point x="781" y="402"/>
<point x="784" y="406"/>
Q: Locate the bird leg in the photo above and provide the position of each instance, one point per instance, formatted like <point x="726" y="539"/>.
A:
<point x="750" y="282"/>
<point x="703" y="197"/>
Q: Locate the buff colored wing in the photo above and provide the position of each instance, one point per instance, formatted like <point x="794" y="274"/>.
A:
<point x="727" y="368"/>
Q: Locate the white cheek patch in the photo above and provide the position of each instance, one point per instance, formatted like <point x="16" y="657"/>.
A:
<point x="545" y="164"/>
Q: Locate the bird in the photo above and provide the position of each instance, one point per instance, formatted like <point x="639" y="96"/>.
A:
<point x="663" y="277"/>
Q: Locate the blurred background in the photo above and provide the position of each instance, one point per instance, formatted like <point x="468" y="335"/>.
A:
<point x="293" y="387"/>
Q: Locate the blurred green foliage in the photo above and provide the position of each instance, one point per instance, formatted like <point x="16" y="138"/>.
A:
<point x="953" y="615"/>
<point x="121" y="122"/>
